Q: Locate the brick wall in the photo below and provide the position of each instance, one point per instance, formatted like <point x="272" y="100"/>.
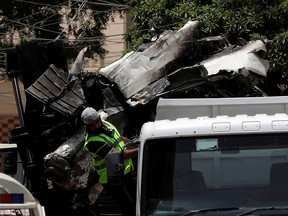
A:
<point x="7" y="122"/>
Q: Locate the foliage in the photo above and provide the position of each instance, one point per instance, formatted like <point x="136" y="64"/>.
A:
<point x="245" y="20"/>
<point x="39" y="20"/>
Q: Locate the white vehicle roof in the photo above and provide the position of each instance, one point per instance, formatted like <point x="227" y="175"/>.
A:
<point x="239" y="124"/>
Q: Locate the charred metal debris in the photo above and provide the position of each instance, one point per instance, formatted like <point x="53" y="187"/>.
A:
<point x="176" y="64"/>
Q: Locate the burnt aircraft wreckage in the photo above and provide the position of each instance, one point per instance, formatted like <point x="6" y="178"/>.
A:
<point x="178" y="64"/>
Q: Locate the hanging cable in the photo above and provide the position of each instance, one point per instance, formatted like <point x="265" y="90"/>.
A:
<point x="79" y="9"/>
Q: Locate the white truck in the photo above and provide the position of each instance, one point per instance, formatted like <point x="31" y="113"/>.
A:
<point x="16" y="199"/>
<point x="215" y="156"/>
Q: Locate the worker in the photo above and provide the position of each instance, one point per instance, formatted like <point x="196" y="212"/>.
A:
<point x="102" y="138"/>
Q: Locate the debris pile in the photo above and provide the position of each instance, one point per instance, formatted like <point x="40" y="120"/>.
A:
<point x="178" y="64"/>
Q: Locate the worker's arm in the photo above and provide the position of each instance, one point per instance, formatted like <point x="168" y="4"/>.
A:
<point x="130" y="153"/>
<point x="125" y="139"/>
<point x="132" y="149"/>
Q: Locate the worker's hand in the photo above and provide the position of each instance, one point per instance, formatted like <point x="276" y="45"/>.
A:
<point x="132" y="143"/>
<point x="282" y="87"/>
<point x="136" y="140"/>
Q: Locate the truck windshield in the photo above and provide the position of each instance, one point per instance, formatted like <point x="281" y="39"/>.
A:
<point x="192" y="173"/>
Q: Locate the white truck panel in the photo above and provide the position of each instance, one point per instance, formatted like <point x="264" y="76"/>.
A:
<point x="260" y="123"/>
<point x="212" y="107"/>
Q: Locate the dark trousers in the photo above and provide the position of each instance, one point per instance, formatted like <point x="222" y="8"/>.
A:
<point x="125" y="195"/>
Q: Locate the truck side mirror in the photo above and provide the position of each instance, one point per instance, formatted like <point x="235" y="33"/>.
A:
<point x="115" y="167"/>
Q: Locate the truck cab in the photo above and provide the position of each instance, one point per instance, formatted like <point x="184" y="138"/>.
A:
<point x="215" y="156"/>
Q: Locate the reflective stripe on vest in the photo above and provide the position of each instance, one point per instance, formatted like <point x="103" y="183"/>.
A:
<point x="115" y="142"/>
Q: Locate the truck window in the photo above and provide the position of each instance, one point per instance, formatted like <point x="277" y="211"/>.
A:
<point x="191" y="173"/>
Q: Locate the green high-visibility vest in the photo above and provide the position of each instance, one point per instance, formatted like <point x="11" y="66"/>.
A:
<point x="115" y="142"/>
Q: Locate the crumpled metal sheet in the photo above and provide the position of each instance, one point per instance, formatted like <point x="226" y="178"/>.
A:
<point x="56" y="89"/>
<point x="136" y="70"/>
<point x="78" y="65"/>
<point x="144" y="76"/>
<point x="180" y="80"/>
<point x="234" y="58"/>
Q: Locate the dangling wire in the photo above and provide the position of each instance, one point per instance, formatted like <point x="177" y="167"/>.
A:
<point x="79" y="9"/>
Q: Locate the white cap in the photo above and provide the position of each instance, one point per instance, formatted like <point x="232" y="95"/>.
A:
<point x="89" y="115"/>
